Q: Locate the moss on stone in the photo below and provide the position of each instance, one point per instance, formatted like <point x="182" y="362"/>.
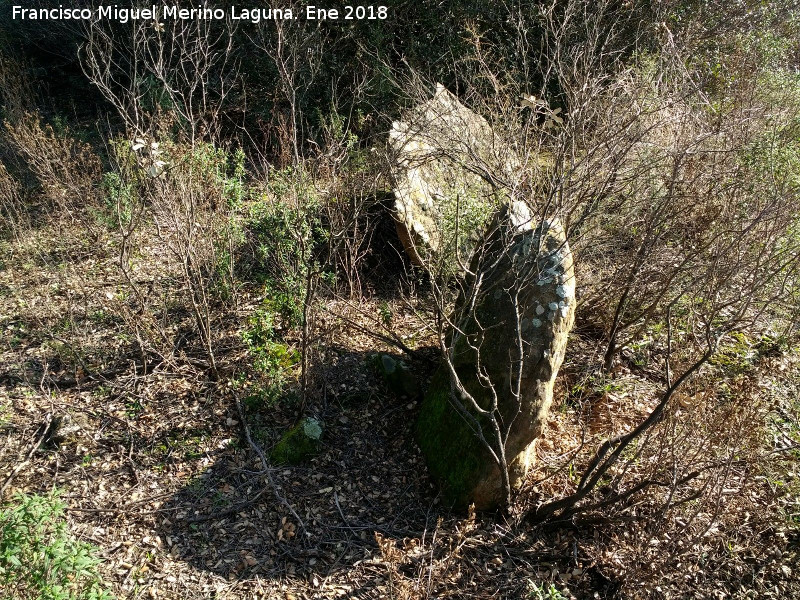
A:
<point x="453" y="453"/>
<point x="295" y="446"/>
<point x="398" y="377"/>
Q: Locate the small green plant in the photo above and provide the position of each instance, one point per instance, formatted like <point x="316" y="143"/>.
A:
<point x="196" y="486"/>
<point x="187" y="445"/>
<point x="121" y="186"/>
<point x="737" y="357"/>
<point x="386" y="313"/>
<point x="573" y="473"/>
<point x="219" y="499"/>
<point x="118" y="201"/>
<point x="133" y="408"/>
<point x="539" y="591"/>
<point x="39" y="559"/>
<point x="102" y="317"/>
<point x="272" y="359"/>
<point x="592" y="386"/>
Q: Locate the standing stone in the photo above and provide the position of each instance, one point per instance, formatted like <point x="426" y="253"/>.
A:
<point x="524" y="291"/>
<point x="444" y="156"/>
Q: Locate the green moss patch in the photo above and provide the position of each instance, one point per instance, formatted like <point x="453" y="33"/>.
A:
<point x="454" y="454"/>
<point x="299" y="444"/>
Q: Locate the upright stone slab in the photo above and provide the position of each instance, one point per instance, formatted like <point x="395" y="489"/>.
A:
<point x="440" y="149"/>
<point x="524" y="308"/>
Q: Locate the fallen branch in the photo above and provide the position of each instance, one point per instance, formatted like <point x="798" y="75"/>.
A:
<point x="39" y="437"/>
<point x="228" y="511"/>
<point x="267" y="469"/>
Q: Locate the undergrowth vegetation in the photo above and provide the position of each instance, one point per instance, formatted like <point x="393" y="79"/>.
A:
<point x="40" y="559"/>
<point x="190" y="262"/>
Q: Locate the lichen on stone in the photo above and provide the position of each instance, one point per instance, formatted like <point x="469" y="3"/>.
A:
<point x="312" y="428"/>
<point x="486" y="333"/>
<point x="442" y="205"/>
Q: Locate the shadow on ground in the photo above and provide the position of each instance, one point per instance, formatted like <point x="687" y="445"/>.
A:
<point x="369" y="478"/>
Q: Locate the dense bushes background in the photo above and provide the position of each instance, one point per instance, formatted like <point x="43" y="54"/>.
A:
<point x="353" y="68"/>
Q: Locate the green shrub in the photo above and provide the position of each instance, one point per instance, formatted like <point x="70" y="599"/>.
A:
<point x="117" y="201"/>
<point x="218" y="169"/>
<point x="40" y="559"/>
<point x="285" y="234"/>
<point x="272" y="359"/>
<point x="286" y="231"/>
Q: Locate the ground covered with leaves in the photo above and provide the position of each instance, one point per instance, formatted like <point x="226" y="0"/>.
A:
<point x="152" y="460"/>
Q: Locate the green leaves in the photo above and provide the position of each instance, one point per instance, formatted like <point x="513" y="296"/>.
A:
<point x="39" y="559"/>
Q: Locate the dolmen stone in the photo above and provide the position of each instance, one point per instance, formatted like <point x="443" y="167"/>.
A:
<point x="510" y="331"/>
<point x="444" y="159"/>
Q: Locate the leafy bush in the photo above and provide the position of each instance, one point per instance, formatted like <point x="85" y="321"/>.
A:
<point x="118" y="201"/>
<point x="284" y="229"/>
<point x="40" y="559"/>
<point x="272" y="359"/>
